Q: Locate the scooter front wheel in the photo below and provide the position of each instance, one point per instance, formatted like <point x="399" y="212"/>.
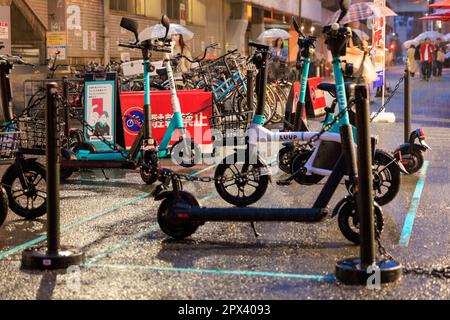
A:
<point x="241" y="184"/>
<point x="150" y="170"/>
<point x="166" y="218"/>
<point x="3" y="206"/>
<point x="349" y="222"/>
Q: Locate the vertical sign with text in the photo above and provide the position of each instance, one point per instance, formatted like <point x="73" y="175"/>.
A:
<point x="379" y="45"/>
<point x="57" y="36"/>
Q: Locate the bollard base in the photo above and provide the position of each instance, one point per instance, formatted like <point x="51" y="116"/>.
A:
<point x="351" y="272"/>
<point x="41" y="259"/>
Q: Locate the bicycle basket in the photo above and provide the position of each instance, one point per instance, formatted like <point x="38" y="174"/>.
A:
<point x="8" y="145"/>
<point x="232" y="126"/>
<point x="32" y="138"/>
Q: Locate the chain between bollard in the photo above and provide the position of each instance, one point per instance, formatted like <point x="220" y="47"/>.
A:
<point x="388" y="100"/>
<point x="442" y="273"/>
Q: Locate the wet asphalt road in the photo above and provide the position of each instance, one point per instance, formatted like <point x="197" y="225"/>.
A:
<point x="128" y="257"/>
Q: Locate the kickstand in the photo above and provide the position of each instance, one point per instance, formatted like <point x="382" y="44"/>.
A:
<point x="257" y="234"/>
<point x="104" y="174"/>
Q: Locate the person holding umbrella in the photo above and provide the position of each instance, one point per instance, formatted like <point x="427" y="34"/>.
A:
<point x="426" y="57"/>
<point x="412" y="63"/>
<point x="279" y="58"/>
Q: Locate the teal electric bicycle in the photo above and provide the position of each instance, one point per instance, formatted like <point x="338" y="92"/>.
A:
<point x="145" y="154"/>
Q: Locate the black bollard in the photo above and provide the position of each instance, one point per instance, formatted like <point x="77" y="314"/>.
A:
<point x="359" y="271"/>
<point x="53" y="256"/>
<point x="408" y="112"/>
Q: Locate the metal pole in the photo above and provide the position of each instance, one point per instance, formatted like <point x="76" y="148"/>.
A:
<point x="53" y="171"/>
<point x="54" y="256"/>
<point x="408" y="112"/>
<point x="365" y="190"/>
<point x="360" y="271"/>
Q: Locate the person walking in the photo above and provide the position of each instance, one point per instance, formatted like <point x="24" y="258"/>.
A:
<point x="412" y="63"/>
<point x="426" y="57"/>
<point x="439" y="60"/>
<point x="279" y="59"/>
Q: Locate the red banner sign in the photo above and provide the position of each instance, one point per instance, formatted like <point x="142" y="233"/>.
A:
<point x="195" y="102"/>
<point x="316" y="96"/>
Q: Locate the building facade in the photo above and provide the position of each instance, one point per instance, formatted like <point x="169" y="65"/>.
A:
<point x="87" y="30"/>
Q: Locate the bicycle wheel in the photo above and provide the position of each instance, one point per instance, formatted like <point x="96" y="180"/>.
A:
<point x="237" y="187"/>
<point x="29" y="201"/>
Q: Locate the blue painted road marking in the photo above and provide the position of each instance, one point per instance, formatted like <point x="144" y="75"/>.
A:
<point x="411" y="216"/>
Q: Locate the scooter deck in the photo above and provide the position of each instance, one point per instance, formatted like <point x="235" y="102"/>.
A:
<point x="251" y="214"/>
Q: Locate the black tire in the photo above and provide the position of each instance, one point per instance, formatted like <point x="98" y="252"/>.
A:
<point x="66" y="173"/>
<point x="151" y="160"/>
<point x="177" y="229"/>
<point x="412" y="159"/>
<point x="299" y="162"/>
<point x="179" y="151"/>
<point x="259" y="183"/>
<point x="285" y="158"/>
<point x="349" y="221"/>
<point x="34" y="174"/>
<point x="386" y="178"/>
<point x="3" y="206"/>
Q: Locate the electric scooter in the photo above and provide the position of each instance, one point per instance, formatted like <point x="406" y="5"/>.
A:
<point x="180" y="214"/>
<point x="294" y="155"/>
<point x="144" y="153"/>
<point x="411" y="154"/>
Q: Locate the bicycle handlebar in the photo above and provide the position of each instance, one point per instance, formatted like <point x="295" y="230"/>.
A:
<point x="15" y="60"/>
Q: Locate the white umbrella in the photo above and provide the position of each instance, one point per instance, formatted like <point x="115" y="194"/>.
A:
<point x="433" y="35"/>
<point x="158" y="31"/>
<point x="361" y="34"/>
<point x="274" y="34"/>
<point x="410" y="43"/>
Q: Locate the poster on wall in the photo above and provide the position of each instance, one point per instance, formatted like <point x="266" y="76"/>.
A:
<point x="5" y="29"/>
<point x="379" y="45"/>
<point x="100" y="112"/>
<point x="56" y="41"/>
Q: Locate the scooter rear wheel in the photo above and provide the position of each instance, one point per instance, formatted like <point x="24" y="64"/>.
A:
<point x="386" y="179"/>
<point x="3" y="206"/>
<point x="186" y="153"/>
<point x="348" y="219"/>
<point x="29" y="202"/>
<point x="236" y="187"/>
<point x="412" y="160"/>
<point x="166" y="219"/>
<point x="285" y="158"/>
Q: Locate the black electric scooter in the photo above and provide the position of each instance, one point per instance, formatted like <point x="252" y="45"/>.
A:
<point x="180" y="214"/>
